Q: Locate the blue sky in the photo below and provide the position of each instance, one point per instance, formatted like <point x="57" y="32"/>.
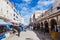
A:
<point x="27" y="7"/>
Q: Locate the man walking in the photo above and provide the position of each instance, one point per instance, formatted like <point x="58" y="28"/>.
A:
<point x="18" y="30"/>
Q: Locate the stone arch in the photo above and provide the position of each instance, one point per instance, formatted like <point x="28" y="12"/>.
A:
<point x="41" y="24"/>
<point x="34" y="26"/>
<point x="53" y="24"/>
<point x="38" y="26"/>
<point x="46" y="26"/>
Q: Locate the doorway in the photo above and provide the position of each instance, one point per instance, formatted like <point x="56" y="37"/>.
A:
<point x="53" y="23"/>
<point x="46" y="27"/>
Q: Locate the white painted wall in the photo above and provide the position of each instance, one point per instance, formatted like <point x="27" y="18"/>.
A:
<point x="4" y="7"/>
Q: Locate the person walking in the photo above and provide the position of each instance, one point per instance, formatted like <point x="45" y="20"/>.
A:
<point x="18" y="30"/>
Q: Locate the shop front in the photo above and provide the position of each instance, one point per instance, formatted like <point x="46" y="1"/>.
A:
<point x="4" y="28"/>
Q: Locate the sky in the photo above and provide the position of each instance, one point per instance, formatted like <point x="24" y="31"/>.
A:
<point x="27" y="7"/>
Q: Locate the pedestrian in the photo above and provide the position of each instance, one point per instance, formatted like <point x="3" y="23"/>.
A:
<point x="12" y="29"/>
<point x="18" y="30"/>
<point x="21" y="27"/>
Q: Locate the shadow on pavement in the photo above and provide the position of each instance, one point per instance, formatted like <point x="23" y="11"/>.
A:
<point x="42" y="36"/>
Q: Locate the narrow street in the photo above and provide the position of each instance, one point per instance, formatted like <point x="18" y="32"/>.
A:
<point x="29" y="20"/>
<point x="28" y="35"/>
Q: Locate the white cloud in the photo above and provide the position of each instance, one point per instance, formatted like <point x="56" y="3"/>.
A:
<point x="26" y="16"/>
<point x="27" y="11"/>
<point x="21" y="5"/>
<point x="26" y="19"/>
<point x="22" y="20"/>
<point x="40" y="4"/>
<point x="24" y="8"/>
<point x="46" y="2"/>
<point x="27" y="1"/>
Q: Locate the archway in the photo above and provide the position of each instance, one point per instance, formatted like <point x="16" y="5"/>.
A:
<point x="41" y="26"/>
<point x="38" y="26"/>
<point x="53" y="23"/>
<point x="34" y="26"/>
<point x="46" y="26"/>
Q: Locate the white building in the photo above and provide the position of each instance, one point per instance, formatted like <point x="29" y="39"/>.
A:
<point x="31" y="18"/>
<point x="8" y="12"/>
<point x="38" y="13"/>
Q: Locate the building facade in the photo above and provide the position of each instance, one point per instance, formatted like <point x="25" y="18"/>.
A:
<point x="50" y="20"/>
<point x="8" y="12"/>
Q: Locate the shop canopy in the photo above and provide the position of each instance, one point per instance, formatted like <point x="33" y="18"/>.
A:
<point x="2" y="22"/>
<point x="7" y="24"/>
<point x="14" y="22"/>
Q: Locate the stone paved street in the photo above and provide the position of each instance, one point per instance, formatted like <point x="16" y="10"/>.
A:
<point x="28" y="35"/>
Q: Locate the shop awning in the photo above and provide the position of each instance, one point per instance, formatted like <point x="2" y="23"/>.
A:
<point x="14" y="22"/>
<point x="2" y="22"/>
<point x="6" y="24"/>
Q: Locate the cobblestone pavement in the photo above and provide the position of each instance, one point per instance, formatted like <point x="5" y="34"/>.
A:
<point x="28" y="35"/>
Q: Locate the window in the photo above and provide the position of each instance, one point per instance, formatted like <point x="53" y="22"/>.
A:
<point x="12" y="7"/>
<point x="17" y="20"/>
<point x="58" y="7"/>
<point x="14" y="10"/>
<point x="14" y="14"/>
<point x="17" y="14"/>
<point x="7" y="11"/>
<point x="7" y="2"/>
<point x="14" y="18"/>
